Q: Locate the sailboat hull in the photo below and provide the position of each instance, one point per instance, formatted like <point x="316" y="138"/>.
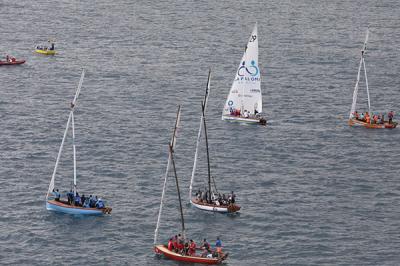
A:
<point x="213" y="208"/>
<point x="59" y="206"/>
<point x="163" y="250"/>
<point x="355" y="122"/>
<point x="243" y="119"/>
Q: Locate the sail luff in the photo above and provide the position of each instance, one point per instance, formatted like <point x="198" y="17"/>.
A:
<point x="51" y="186"/>
<point x="199" y="135"/>
<point x="172" y="143"/>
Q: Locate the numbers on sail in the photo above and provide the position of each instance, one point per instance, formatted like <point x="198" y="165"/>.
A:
<point x="253" y="38"/>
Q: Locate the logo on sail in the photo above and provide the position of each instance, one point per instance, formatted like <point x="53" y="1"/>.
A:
<point x="251" y="70"/>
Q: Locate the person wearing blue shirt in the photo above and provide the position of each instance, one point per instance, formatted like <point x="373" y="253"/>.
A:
<point x="57" y="195"/>
<point x="218" y="245"/>
<point x="99" y="204"/>
<point x="70" y="196"/>
<point x="77" y="200"/>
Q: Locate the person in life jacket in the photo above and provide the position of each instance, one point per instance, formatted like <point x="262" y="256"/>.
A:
<point x="170" y="244"/>
<point x="99" y="204"/>
<point x="192" y="248"/>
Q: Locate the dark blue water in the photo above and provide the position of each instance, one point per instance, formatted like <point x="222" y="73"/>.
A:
<point x="313" y="191"/>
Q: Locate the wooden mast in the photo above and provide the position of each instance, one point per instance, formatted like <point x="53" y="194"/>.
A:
<point x="177" y="188"/>
<point x="208" y="157"/>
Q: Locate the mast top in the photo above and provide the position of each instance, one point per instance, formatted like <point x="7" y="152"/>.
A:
<point x="78" y="90"/>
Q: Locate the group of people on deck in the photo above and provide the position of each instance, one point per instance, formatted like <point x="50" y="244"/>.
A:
<point x="246" y="114"/>
<point x="45" y="48"/>
<point x="181" y="246"/>
<point x="10" y="59"/>
<point x="216" y="199"/>
<point x="80" y="201"/>
<point x="373" y="119"/>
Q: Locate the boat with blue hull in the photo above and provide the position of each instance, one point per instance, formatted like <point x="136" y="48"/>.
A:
<point x="60" y="206"/>
<point x="75" y="204"/>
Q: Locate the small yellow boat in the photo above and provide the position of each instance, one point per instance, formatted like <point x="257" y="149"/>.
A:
<point x="46" y="51"/>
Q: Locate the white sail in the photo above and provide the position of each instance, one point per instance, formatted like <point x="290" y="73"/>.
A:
<point x="70" y="117"/>
<point x="355" y="93"/>
<point x="172" y="146"/>
<point x="199" y="135"/>
<point x="245" y="93"/>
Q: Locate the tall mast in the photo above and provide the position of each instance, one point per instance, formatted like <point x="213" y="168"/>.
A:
<point x="73" y="104"/>
<point x="199" y="134"/>
<point x="74" y="150"/>
<point x="171" y="151"/>
<point x="208" y="157"/>
<point x="172" y="144"/>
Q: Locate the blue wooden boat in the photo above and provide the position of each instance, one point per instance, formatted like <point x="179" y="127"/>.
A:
<point x="53" y="200"/>
<point x="61" y="206"/>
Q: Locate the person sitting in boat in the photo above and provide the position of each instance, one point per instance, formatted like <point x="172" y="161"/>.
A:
<point x="70" y="196"/>
<point x="100" y="204"/>
<point x="198" y="194"/>
<point x="77" y="199"/>
<point x="175" y="243"/>
<point x="374" y="119"/>
<point x="206" y="248"/>
<point x="367" y="117"/>
<point x="355" y="115"/>
<point x="52" y="47"/>
<point x="86" y="203"/>
<point x="170" y="244"/>
<point x="83" y="199"/>
<point x="192" y="248"/>
<point x="232" y="198"/>
<point x="185" y="250"/>
<point x="180" y="243"/>
<point x="362" y="117"/>
<point x="57" y="195"/>
<point x="92" y="201"/>
<point x="390" y="116"/>
<point x="382" y="121"/>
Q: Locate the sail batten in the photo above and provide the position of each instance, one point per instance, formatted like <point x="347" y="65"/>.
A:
<point x="245" y="93"/>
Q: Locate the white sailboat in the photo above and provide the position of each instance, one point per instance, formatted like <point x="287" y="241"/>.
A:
<point x="244" y="102"/>
<point x="207" y="203"/>
<point x="53" y="199"/>
<point x="355" y="119"/>
<point x="162" y="249"/>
